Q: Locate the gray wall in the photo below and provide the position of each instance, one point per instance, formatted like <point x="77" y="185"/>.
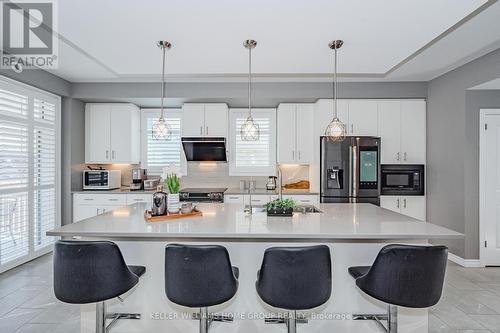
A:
<point x="72" y="152"/>
<point x="452" y="141"/>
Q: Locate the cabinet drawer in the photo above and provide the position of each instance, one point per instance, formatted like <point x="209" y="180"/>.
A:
<point x="232" y="198"/>
<point x="134" y="198"/>
<point x="100" y="199"/>
<point x="259" y="199"/>
<point x="303" y="199"/>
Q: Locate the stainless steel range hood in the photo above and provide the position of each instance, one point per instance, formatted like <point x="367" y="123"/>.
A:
<point x="205" y="149"/>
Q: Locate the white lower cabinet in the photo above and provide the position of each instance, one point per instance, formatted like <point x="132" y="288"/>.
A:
<point x="234" y="199"/>
<point x="86" y="205"/>
<point x="304" y="199"/>
<point x="413" y="206"/>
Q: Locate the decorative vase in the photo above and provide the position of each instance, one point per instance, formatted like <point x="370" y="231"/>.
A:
<point x="174" y="204"/>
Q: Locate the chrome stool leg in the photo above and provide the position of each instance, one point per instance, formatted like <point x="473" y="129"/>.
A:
<point x="206" y="319"/>
<point x="391" y="319"/>
<point x="102" y="316"/>
<point x="291" y="322"/>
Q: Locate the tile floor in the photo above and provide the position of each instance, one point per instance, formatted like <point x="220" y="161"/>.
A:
<point x="470" y="302"/>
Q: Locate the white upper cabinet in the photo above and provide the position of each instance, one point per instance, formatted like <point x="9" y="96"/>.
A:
<point x="413" y="131"/>
<point x="286" y="119"/>
<point x="193" y="119"/>
<point x="389" y="130"/>
<point x="112" y="133"/>
<point x="204" y="120"/>
<point x="304" y="133"/>
<point x="363" y="117"/>
<point x="403" y="131"/>
<point x="295" y="133"/>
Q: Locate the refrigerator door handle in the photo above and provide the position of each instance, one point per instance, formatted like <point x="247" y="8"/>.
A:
<point x="351" y="171"/>
<point x="355" y="169"/>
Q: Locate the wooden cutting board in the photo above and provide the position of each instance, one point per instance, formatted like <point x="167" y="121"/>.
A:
<point x="169" y="217"/>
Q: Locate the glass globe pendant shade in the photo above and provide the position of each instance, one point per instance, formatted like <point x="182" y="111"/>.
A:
<point x="336" y="130"/>
<point x="250" y="130"/>
<point x="161" y="130"/>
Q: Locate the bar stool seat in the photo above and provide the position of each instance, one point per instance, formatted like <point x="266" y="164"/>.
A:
<point x="295" y="278"/>
<point x="200" y="276"/>
<point x="137" y="270"/>
<point x="402" y="275"/>
<point x="93" y="272"/>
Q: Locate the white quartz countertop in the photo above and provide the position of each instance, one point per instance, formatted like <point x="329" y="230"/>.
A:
<point x="229" y="222"/>
<point x="258" y="191"/>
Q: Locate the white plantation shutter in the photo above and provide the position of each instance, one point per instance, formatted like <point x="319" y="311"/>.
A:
<point x="253" y="158"/>
<point x="157" y="154"/>
<point x="29" y="157"/>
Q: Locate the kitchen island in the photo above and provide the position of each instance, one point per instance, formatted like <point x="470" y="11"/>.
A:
<point x="354" y="232"/>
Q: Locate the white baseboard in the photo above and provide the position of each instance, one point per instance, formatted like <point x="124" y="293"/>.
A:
<point x="464" y="262"/>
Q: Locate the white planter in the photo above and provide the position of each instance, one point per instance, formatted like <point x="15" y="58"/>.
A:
<point x="174" y="204"/>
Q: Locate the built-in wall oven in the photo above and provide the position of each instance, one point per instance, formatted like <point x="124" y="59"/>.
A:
<point x="402" y="179"/>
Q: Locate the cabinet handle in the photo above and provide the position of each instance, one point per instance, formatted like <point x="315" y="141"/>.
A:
<point x="234" y="198"/>
<point x="89" y="199"/>
<point x="112" y="199"/>
<point x="404" y="203"/>
<point x="98" y="211"/>
<point x="405" y="156"/>
<point x="201" y="130"/>
<point x="113" y="154"/>
<point x="397" y="203"/>
<point x="107" y="154"/>
<point x="352" y="128"/>
<point x="293" y="155"/>
<point x="206" y="130"/>
<point x="137" y="199"/>
<point x="397" y="158"/>
<point x="299" y="155"/>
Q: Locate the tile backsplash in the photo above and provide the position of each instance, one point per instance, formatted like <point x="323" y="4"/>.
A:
<point x="215" y="174"/>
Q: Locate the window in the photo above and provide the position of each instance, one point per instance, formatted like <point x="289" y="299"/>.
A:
<point x="158" y="154"/>
<point x="29" y="175"/>
<point x="252" y="158"/>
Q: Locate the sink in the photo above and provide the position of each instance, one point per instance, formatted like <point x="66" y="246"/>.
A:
<point x="304" y="209"/>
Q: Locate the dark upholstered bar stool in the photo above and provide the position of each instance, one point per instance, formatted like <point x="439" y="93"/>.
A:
<point x="200" y="276"/>
<point x="402" y="275"/>
<point x="93" y="272"/>
<point x="295" y="278"/>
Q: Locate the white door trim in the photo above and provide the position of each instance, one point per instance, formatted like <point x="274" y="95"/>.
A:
<point x="482" y="165"/>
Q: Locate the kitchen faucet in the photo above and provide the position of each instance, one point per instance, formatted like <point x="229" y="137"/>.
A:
<point x="280" y="187"/>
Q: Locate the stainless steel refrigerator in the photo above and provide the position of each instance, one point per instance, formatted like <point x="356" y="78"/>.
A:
<point x="350" y="170"/>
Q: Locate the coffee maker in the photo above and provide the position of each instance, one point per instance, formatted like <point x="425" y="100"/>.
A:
<point x="271" y="183"/>
<point x="138" y="178"/>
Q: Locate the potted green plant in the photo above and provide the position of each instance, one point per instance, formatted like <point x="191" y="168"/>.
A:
<point x="280" y="207"/>
<point x="173" y="184"/>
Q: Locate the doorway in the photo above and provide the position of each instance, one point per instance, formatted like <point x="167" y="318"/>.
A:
<point x="489" y="186"/>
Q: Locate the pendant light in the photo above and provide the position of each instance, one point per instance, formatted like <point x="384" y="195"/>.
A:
<point x="250" y="129"/>
<point x="161" y="129"/>
<point x="336" y="130"/>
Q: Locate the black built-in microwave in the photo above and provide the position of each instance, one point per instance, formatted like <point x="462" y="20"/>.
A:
<point x="402" y="179"/>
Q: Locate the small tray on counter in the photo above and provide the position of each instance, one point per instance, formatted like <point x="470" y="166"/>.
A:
<point x="169" y="217"/>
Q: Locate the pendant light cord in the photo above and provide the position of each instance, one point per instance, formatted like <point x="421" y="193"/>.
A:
<point x="335" y="81"/>
<point x="250" y="83"/>
<point x="162" y="82"/>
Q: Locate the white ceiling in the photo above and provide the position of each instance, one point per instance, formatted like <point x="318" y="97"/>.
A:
<point x="116" y="40"/>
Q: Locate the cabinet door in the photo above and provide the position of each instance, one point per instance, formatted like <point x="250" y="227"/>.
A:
<point x="391" y="203"/>
<point x="125" y="134"/>
<point x="81" y="212"/>
<point x="304" y="133"/>
<point x="414" y="206"/>
<point x="135" y="198"/>
<point x="413" y="132"/>
<point x="97" y="133"/>
<point x="389" y="130"/>
<point x="216" y="115"/>
<point x="193" y="119"/>
<point x="259" y="199"/>
<point x="286" y="119"/>
<point x="303" y="199"/>
<point x="363" y="117"/>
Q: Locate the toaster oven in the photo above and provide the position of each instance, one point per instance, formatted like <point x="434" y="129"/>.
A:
<point x="101" y="179"/>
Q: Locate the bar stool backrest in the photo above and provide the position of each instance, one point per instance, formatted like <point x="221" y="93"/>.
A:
<point x="198" y="276"/>
<point x="295" y="278"/>
<point x="407" y="275"/>
<point x="89" y="272"/>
